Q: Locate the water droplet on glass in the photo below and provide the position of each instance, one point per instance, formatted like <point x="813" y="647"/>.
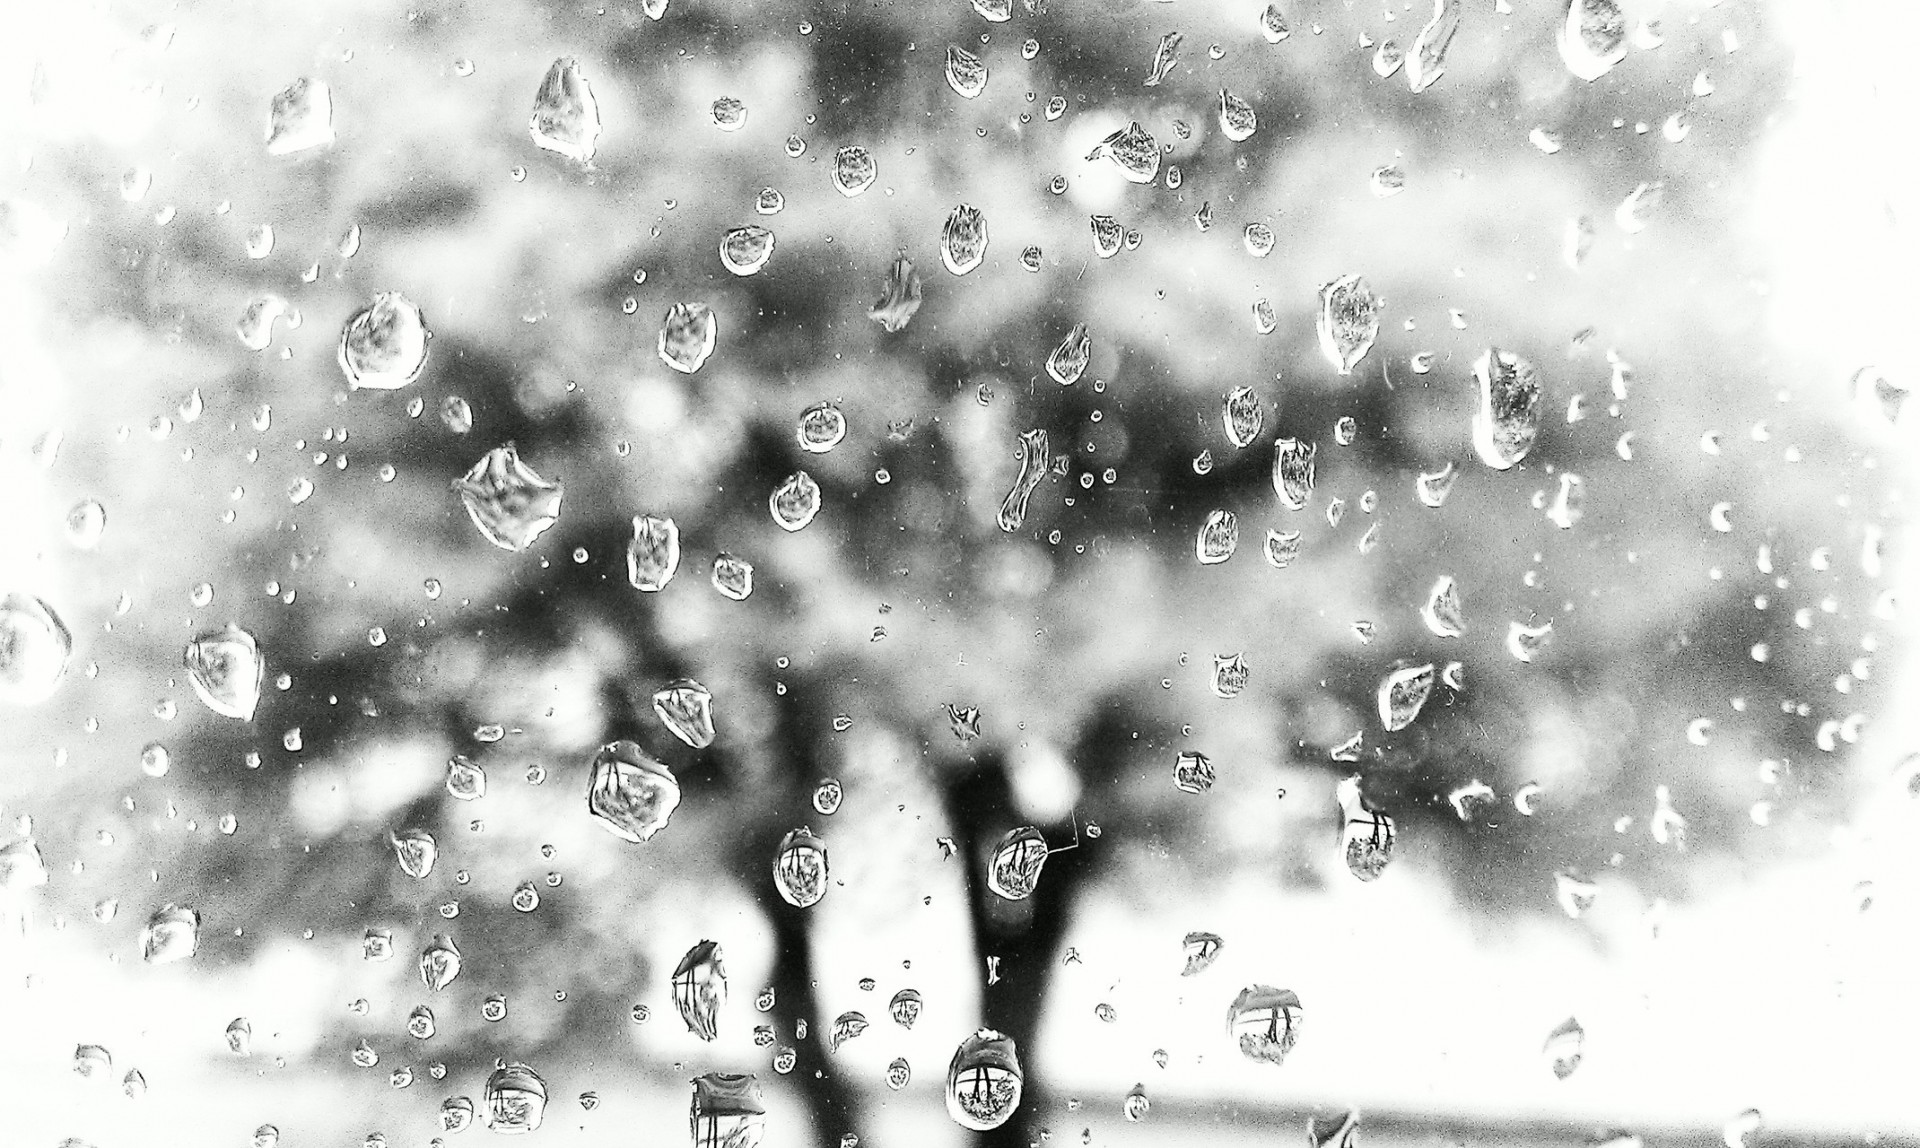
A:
<point x="1636" y="210"/>
<point x="745" y="250"/>
<point x="1579" y="241"/>
<point x="91" y="1061"/>
<point x="1427" y="60"/>
<point x="466" y="781"/>
<point x="1219" y="536"/>
<point x="1131" y="149"/>
<point x="456" y="1114"/>
<point x="729" y="113"/>
<point x="732" y="576"/>
<point x="800" y="869"/>
<point x="1433" y="487"/>
<point x="1442" y="611"/>
<point x="255" y="326"/>
<point x="508" y="502"/>
<point x="515" y="1098"/>
<point x="995" y="11"/>
<point x="821" y="428"/>
<point x="1258" y="240"/>
<point x="1237" y="119"/>
<point x="1033" y="468"/>
<point x="384" y="345"/>
<point x="1107" y="235"/>
<point x="687" y="336"/>
<point x="1366" y="835"/>
<point x="266" y="1136"/>
<point x="1282" y="548"/>
<point x="1575" y="894"/>
<point x="629" y="793"/>
<point x="1593" y="38"/>
<point x="984" y="1081"/>
<point x="966" y="73"/>
<point x="653" y="554"/>
<point x="1265" y="1022"/>
<point x="1507" y="419"/>
<point x="1388" y="57"/>
<point x="240" y="1037"/>
<point x="566" y="117"/>
<point x="1201" y="951"/>
<point x="1740" y="1131"/>
<point x="155" y="760"/>
<point x="299" y="117"/>
<point x="1342" y="1132"/>
<point x="1524" y="641"/>
<point x="526" y="897"/>
<point x="1163" y="59"/>
<point x="170" y="934"/>
<point x="685" y="707"/>
<point x="963" y="240"/>
<point x="727" y="1111"/>
<point x="420" y="1023"/>
<point x="846" y="1026"/>
<point x="1134" y="1106"/>
<point x="1193" y="772"/>
<point x="1273" y="24"/>
<point x="34" y="649"/>
<point x="415" y="850"/>
<point x="853" y="169"/>
<point x="1013" y="872"/>
<point x="700" y="988"/>
<point x="1402" y="693"/>
<point x="899" y="1073"/>
<point x="795" y="502"/>
<point x="1229" y="675"/>
<point x="226" y="671"/>
<point x="905" y="1007"/>
<point x="900" y="296"/>
<point x="1069" y="360"/>
<point x="1293" y="472"/>
<point x="1562" y="1048"/>
<point x="1349" y="321"/>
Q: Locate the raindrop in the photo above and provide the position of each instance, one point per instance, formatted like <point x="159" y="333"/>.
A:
<point x="629" y="793"/>
<point x="729" y="114"/>
<point x="1033" y="468"/>
<point x="1433" y="487"/>
<point x="456" y="1114"/>
<point x="92" y="1061"/>
<point x="1193" y="773"/>
<point x="1293" y="472"/>
<point x="899" y="298"/>
<point x="905" y="1007"/>
<point x="170" y="934"/>
<point x="515" y="1098"/>
<point x="1163" y="59"/>
<point x="1341" y="1133"/>
<point x="384" y="345"/>
<point x="1273" y="24"/>
<point x="963" y="240"/>
<point x="1427" y="61"/>
<point x="1013" y="872"/>
<point x="1593" y="38"/>
<point x="1507" y="419"/>
<point x="420" y="1023"/>
<point x="795" y="502"/>
<point x="1574" y="894"/>
<point x="1741" y="1131"/>
<point x="1258" y="240"/>
<point x="1135" y="1106"/>
<point x="240" y="1037"/>
<point x="984" y="1081"/>
<point x="769" y="201"/>
<point x="966" y="73"/>
<point x="732" y="576"/>
<point x="1568" y="503"/>
<point x="745" y="250"/>
<point x="1524" y="641"/>
<point x="34" y="649"/>
<point x="1282" y="548"/>
<point x="1201" y="951"/>
<point x="1442" y="611"/>
<point x="1055" y="108"/>
<point x="1069" y="360"/>
<point x="687" y="336"/>
<point x="1402" y="693"/>
<point x="653" y="554"/>
<point x="1229" y="675"/>
<point x="1131" y="149"/>
<point x="526" y="897"/>
<point x="1265" y="1022"/>
<point x="827" y="797"/>
<point x="800" y="869"/>
<point x="1388" y="180"/>
<point x="899" y="1073"/>
<point x="226" y="671"/>
<point x="700" y="988"/>
<point x="154" y="760"/>
<point x="1366" y="835"/>
<point x="566" y="118"/>
<point x="1237" y="119"/>
<point x="508" y="502"/>
<point x="1219" y="536"/>
<point x="1349" y="321"/>
<point x="255" y="327"/>
<point x="1562" y="1049"/>
<point x="1107" y="235"/>
<point x="821" y="428"/>
<point x="846" y="1026"/>
<point x="853" y="170"/>
<point x="466" y="781"/>
<point x="1388" y="57"/>
<point x="299" y="117"/>
<point x="1634" y="211"/>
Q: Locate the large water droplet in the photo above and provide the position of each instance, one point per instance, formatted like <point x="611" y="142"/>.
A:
<point x="795" y="502"/>
<point x="1524" y="641"/>
<point x="34" y="649"/>
<point x="227" y="671"/>
<point x="821" y="428"/>
<point x="1230" y="674"/>
<point x="630" y="793"/>
<point x="1366" y="835"/>
<point x="1163" y="59"/>
<point x="846" y="1026"/>
<point x="1265" y="1022"/>
<point x="899" y="297"/>
<point x="384" y="345"/>
<point x="1342" y="1131"/>
<point x="853" y="170"/>
<point x="1349" y="321"/>
<point x="1402" y="694"/>
<point x="1107" y="235"/>
<point x="732" y="576"/>
<point x="1193" y="772"/>
<point x="687" y="336"/>
<point x="1283" y="546"/>
<point x="1033" y="468"/>
<point x="1132" y="150"/>
<point x="984" y="1081"/>
<point x="685" y="707"/>
<point x="700" y="988"/>
<point x="1427" y="61"/>
<point x="515" y="1098"/>
<point x="1013" y="872"/>
<point x="1593" y="38"/>
<point x="800" y="869"/>
<point x="299" y="117"/>
<point x="966" y="73"/>
<point x="1218" y="538"/>
<point x="1069" y="360"/>
<point x="727" y="1111"/>
<point x="566" y="117"/>
<point x="1237" y="119"/>
<point x="1135" y="1105"/>
<point x="745" y="250"/>
<point x="255" y="326"/>
<point x="240" y="1037"/>
<point x="963" y="240"/>
<point x="170" y="934"/>
<point x="1293" y="472"/>
<point x="509" y="503"/>
<point x="653" y="554"/>
<point x="1507" y="420"/>
<point x="899" y="1073"/>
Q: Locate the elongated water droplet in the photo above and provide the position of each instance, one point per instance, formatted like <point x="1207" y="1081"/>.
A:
<point x="516" y="1099"/>
<point x="1402" y="693"/>
<point x="1349" y="321"/>
<point x="566" y="117"/>
<point x="1265" y="1022"/>
<point x="509" y="504"/>
<point x="1593" y="38"/>
<point x="1033" y="468"/>
<point x="899" y="298"/>
<point x="466" y="781"/>
<point x="1013" y="872"/>
<point x="1069" y="360"/>
<point x="384" y="345"/>
<point x="745" y="250"/>
<point x="1563" y="1047"/>
<point x="846" y="1027"/>
<point x="170" y="934"/>
<point x="1164" y="58"/>
<point x="1427" y="61"/>
<point x="966" y="73"/>
<point x="1507" y="419"/>
<point x="800" y="869"/>
<point x="92" y="1061"/>
<point x="1293" y="472"/>
<point x="226" y="671"/>
<point x="700" y="988"/>
<point x="1219" y="536"/>
<point x="795" y="502"/>
<point x="1131" y="149"/>
<point x="687" y="336"/>
<point x="1237" y="119"/>
<point x="653" y="554"/>
<point x="1442" y="611"/>
<point x="984" y="1081"/>
<point x="34" y="649"/>
<point x="727" y="1111"/>
<point x="1366" y="835"/>
<point x="963" y="240"/>
<point x="853" y="170"/>
<point x="299" y="117"/>
<point x="685" y="707"/>
<point x="629" y="793"/>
